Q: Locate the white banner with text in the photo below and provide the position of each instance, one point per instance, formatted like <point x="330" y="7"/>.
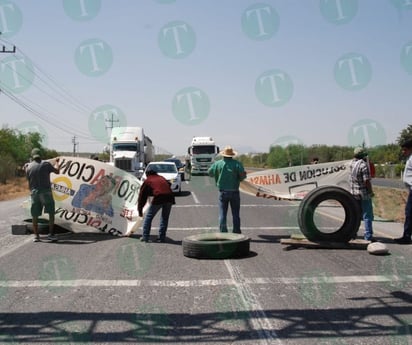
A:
<point x="93" y="196"/>
<point x="293" y="183"/>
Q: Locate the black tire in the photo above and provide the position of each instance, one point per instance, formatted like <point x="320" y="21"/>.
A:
<point x="216" y="245"/>
<point x="307" y="208"/>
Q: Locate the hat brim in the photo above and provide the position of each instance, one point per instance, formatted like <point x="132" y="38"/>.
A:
<point x="35" y="156"/>
<point x="227" y="155"/>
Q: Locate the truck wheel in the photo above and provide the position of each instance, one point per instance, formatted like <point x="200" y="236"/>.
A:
<point x="216" y="245"/>
<point x="311" y="201"/>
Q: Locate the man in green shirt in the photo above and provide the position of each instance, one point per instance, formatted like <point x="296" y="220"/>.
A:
<point x="228" y="173"/>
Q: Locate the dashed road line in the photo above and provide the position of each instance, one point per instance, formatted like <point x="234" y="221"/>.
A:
<point x="194" y="198"/>
<point x="236" y="279"/>
<point x="259" y="319"/>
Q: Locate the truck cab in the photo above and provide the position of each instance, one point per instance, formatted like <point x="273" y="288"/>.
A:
<point x="130" y="149"/>
<point x="202" y="153"/>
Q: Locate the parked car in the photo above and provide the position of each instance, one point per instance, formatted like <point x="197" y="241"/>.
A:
<point x="169" y="171"/>
<point x="179" y="165"/>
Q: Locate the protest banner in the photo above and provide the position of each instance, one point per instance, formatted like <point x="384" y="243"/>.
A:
<point x="293" y="183"/>
<point x="93" y="196"/>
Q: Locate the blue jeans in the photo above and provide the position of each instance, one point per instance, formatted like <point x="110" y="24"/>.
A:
<point x="367" y="216"/>
<point x="164" y="219"/>
<point x="232" y="198"/>
<point x="407" y="227"/>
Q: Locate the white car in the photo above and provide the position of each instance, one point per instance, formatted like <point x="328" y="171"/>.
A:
<point x="169" y="171"/>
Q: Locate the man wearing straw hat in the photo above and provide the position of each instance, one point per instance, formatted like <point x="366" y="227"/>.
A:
<point x="228" y="173"/>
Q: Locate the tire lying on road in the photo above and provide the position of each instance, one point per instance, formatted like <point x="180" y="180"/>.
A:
<point x="216" y="245"/>
<point x="307" y="208"/>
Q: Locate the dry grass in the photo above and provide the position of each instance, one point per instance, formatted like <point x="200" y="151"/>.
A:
<point x="388" y="203"/>
<point x="15" y="188"/>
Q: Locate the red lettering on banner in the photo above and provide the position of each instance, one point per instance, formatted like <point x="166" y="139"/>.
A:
<point x="98" y="176"/>
<point x="127" y="213"/>
<point x="266" y="179"/>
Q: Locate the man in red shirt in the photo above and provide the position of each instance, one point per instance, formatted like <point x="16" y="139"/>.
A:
<point x="158" y="188"/>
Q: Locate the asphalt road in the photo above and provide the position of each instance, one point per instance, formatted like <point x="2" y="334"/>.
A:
<point x="93" y="288"/>
<point x="389" y="183"/>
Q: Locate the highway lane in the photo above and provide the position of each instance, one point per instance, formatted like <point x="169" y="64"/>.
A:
<point x="388" y="183"/>
<point x="100" y="289"/>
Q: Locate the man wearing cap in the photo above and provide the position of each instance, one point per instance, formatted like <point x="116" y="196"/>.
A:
<point x="407" y="179"/>
<point x="38" y="174"/>
<point x="361" y="188"/>
<point x="158" y="188"/>
<point x="228" y="173"/>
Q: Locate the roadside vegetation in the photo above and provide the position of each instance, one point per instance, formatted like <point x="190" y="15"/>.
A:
<point x="15" y="149"/>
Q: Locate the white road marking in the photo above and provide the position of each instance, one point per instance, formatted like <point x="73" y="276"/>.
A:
<point x="194" y="198"/>
<point x="210" y="228"/>
<point x="9" y="249"/>
<point x="216" y="205"/>
<point x="260" y="321"/>
<point x="235" y="280"/>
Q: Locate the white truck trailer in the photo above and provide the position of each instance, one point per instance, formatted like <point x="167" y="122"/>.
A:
<point x="202" y="152"/>
<point x="130" y="149"/>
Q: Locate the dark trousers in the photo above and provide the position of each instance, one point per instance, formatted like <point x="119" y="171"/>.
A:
<point x="407" y="227"/>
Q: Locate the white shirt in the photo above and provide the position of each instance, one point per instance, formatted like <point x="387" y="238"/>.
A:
<point x="407" y="174"/>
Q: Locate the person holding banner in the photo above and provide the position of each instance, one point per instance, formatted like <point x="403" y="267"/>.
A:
<point x="228" y="174"/>
<point x="361" y="188"/>
<point x="38" y="174"/>
<point x="158" y="188"/>
<point x="407" y="179"/>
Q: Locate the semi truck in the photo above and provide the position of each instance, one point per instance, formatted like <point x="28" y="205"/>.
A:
<point x="201" y="153"/>
<point x="130" y="149"/>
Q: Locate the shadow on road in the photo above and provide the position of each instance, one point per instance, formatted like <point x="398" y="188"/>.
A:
<point x="363" y="323"/>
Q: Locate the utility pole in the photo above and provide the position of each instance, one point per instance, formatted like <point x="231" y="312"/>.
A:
<point x="75" y="143"/>
<point x="112" y="120"/>
<point x="4" y="50"/>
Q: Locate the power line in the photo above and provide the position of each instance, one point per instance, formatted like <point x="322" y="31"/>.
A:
<point x="63" y="97"/>
<point x="4" y="50"/>
<point x="52" y="84"/>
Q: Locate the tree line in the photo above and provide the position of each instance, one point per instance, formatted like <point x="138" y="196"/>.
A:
<point x="388" y="159"/>
<point x="15" y="150"/>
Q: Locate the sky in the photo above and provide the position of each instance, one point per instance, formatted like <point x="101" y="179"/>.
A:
<point x="250" y="74"/>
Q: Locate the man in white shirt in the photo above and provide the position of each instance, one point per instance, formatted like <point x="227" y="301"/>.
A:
<point x="407" y="179"/>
